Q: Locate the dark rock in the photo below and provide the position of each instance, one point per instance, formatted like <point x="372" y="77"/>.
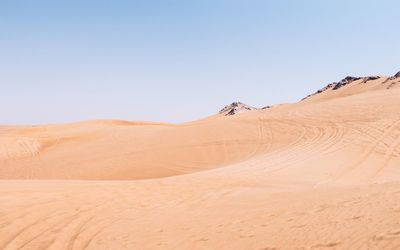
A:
<point x="330" y="85"/>
<point x="337" y="85"/>
<point x="370" y="78"/>
<point x="397" y="75"/>
<point x="350" y="79"/>
<point x="235" y="108"/>
<point x="345" y="81"/>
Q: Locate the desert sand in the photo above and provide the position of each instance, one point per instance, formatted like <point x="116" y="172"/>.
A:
<point x="322" y="173"/>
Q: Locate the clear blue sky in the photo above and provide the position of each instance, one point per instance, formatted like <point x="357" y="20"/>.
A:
<point x="71" y="60"/>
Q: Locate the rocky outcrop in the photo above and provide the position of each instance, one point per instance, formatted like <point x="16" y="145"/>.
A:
<point x="370" y="78"/>
<point x="345" y="81"/>
<point x="335" y="85"/>
<point x="266" y="107"/>
<point x="391" y="78"/>
<point x="236" y="108"/>
<point x="348" y="80"/>
<point x="397" y="75"/>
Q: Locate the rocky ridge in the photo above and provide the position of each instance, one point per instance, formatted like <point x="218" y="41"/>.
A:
<point x="239" y="107"/>
<point x="236" y="108"/>
<point x="350" y="79"/>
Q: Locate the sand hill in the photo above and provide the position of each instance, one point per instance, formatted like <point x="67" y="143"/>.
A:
<point x="322" y="173"/>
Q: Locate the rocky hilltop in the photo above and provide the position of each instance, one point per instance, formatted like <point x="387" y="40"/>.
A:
<point x="236" y="108"/>
<point x="351" y="79"/>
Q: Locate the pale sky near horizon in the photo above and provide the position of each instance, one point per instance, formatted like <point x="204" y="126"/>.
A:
<point x="174" y="61"/>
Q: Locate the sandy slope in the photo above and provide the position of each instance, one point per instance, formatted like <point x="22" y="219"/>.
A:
<point x="110" y="150"/>
<point x="319" y="174"/>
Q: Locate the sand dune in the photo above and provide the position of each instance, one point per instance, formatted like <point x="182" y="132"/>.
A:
<point x="322" y="173"/>
<point x="100" y="150"/>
